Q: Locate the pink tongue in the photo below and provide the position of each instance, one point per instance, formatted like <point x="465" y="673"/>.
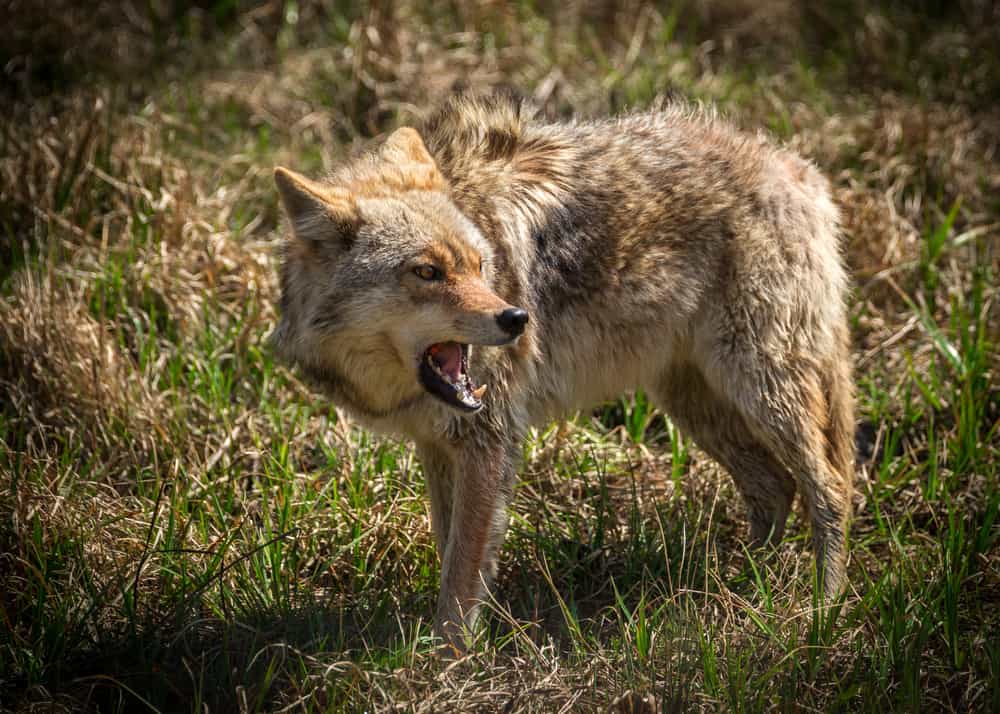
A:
<point x="448" y="357"/>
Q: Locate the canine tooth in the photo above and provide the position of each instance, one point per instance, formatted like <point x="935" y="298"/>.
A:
<point x="479" y="391"/>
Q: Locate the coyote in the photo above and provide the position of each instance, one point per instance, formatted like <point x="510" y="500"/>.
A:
<point x="494" y="271"/>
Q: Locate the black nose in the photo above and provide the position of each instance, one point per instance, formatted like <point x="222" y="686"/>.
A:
<point x="513" y="320"/>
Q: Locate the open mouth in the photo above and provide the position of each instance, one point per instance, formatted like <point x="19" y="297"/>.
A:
<point x="444" y="372"/>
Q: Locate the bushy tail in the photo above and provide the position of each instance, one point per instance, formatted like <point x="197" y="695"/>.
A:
<point x="839" y="387"/>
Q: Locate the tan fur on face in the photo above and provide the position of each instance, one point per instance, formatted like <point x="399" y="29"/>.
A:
<point x="392" y="201"/>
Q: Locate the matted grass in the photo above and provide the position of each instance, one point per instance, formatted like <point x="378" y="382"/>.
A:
<point x="184" y="527"/>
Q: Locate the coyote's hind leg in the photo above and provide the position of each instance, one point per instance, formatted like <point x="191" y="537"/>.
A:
<point x="718" y="429"/>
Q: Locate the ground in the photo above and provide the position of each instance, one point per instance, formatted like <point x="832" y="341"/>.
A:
<point x="185" y="526"/>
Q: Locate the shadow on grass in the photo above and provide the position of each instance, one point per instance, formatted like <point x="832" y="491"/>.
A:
<point x="227" y="665"/>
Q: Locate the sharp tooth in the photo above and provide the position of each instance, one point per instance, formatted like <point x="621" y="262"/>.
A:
<point x="478" y="392"/>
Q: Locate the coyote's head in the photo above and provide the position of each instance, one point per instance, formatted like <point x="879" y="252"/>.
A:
<point x="385" y="284"/>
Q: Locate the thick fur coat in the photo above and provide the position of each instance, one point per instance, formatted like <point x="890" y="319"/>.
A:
<point x="662" y="250"/>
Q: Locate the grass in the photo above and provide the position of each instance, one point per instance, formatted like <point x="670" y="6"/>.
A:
<point x="184" y="527"/>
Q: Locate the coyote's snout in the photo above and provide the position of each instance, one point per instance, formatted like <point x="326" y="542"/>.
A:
<point x="485" y="320"/>
<point x="509" y="271"/>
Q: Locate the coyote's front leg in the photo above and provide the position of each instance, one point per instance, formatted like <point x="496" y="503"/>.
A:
<point x="480" y="486"/>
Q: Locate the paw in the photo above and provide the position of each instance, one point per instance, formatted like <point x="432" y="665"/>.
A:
<point x="453" y="634"/>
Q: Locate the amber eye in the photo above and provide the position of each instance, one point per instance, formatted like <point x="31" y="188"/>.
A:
<point x="427" y="272"/>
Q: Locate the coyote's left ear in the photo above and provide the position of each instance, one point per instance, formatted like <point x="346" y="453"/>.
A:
<point x="405" y="146"/>
<point x="319" y="214"/>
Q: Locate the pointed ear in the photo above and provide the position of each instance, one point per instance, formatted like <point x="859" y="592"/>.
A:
<point x="405" y="146"/>
<point x="319" y="214"/>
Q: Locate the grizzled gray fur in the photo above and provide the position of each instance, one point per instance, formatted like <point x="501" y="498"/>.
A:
<point x="493" y="271"/>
